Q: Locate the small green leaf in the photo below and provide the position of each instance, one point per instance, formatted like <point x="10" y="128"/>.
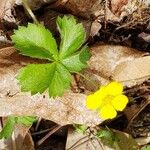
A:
<point x="25" y="120"/>
<point x="72" y="35"/>
<point x="107" y="136"/>
<point x="147" y="147"/>
<point x="35" y="41"/>
<point x="8" y="128"/>
<point x="80" y="128"/>
<point x="77" y="62"/>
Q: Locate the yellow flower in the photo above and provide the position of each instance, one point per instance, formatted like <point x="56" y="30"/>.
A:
<point x="108" y="100"/>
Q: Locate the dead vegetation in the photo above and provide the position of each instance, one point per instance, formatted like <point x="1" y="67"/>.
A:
<point x="118" y="33"/>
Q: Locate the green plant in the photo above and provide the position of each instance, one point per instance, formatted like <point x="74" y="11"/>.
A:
<point x="10" y="123"/>
<point x="80" y="128"/>
<point x="37" y="42"/>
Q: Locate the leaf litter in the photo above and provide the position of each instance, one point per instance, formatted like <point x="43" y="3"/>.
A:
<point x="11" y="91"/>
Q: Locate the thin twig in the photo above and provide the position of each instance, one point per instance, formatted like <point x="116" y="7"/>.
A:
<point x="38" y="123"/>
<point x="71" y="148"/>
<point x="27" y="7"/>
<point x="76" y="143"/>
<point x="100" y="143"/>
<point x="106" y="13"/>
<point x="91" y="141"/>
<point x="98" y="139"/>
<point x="48" y="135"/>
<point x="137" y="113"/>
<point x="13" y="141"/>
<point x="43" y="131"/>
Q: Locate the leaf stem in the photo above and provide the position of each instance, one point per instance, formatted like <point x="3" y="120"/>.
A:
<point x="27" y="7"/>
<point x="48" y="135"/>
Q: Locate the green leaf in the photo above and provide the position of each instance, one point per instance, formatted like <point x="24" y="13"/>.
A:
<point x="60" y="81"/>
<point x="147" y="147"/>
<point x="38" y="77"/>
<point x="8" y="128"/>
<point x="107" y="136"/>
<point x="77" y="62"/>
<point x="25" y="120"/>
<point x="72" y="35"/>
<point x="35" y="41"/>
<point x="80" y="128"/>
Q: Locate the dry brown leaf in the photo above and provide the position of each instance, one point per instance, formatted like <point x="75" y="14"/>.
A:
<point x="116" y="5"/>
<point x="114" y="11"/>
<point x="6" y="11"/>
<point x="143" y="140"/>
<point x="64" y="110"/>
<point x="110" y="62"/>
<point x="86" y="8"/>
<point x="35" y="4"/>
<point x="125" y="142"/>
<point x="133" y="72"/>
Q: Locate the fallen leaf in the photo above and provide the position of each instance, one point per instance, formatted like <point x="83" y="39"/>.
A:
<point x="140" y="71"/>
<point x="23" y="139"/>
<point x="143" y="140"/>
<point x="116" y="5"/>
<point x="6" y="11"/>
<point x="126" y="142"/>
<point x="36" y="4"/>
<point x="110" y="62"/>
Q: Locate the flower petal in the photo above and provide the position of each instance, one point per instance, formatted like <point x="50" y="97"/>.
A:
<point x="93" y="102"/>
<point x="107" y="112"/>
<point x="114" y="88"/>
<point x="120" y="102"/>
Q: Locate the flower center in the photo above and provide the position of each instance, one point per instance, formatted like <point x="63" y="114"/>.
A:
<point x="106" y="100"/>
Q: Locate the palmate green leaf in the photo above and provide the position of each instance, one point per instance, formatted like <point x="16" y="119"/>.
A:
<point x="11" y="121"/>
<point x="35" y="41"/>
<point x="38" y="77"/>
<point x="77" y="62"/>
<point x="72" y="35"/>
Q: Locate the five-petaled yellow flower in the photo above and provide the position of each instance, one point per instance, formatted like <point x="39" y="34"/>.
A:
<point x="108" y="100"/>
